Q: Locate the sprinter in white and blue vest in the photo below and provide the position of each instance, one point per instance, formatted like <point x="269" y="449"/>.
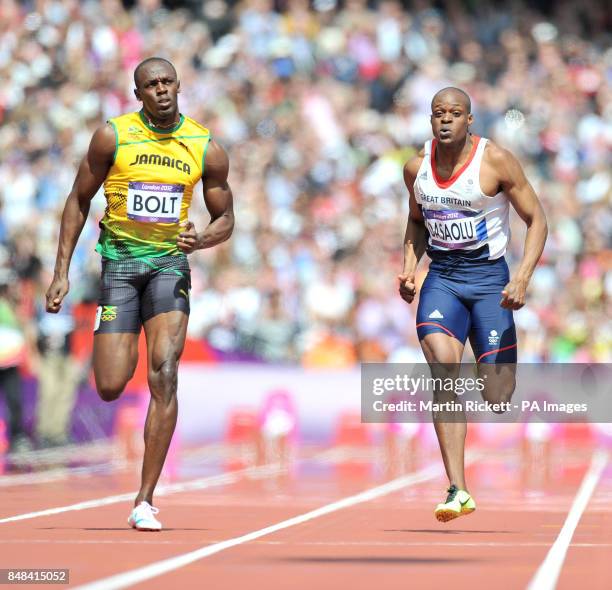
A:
<point x="461" y="187"/>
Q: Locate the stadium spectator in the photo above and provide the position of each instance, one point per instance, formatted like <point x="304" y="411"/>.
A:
<point x="13" y="351"/>
<point x="320" y="104"/>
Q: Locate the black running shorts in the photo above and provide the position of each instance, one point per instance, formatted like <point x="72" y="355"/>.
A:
<point x="137" y="289"/>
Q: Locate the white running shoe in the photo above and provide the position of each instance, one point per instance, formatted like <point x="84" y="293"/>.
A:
<point x="143" y="518"/>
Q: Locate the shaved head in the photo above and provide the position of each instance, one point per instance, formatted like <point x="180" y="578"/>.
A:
<point x="455" y="95"/>
<point x="451" y="116"/>
<point x="157" y="87"/>
<point x="148" y="61"/>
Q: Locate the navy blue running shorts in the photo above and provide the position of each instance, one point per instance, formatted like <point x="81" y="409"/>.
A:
<point x="461" y="298"/>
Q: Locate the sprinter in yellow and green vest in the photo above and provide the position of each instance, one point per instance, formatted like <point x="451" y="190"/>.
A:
<point x="149" y="163"/>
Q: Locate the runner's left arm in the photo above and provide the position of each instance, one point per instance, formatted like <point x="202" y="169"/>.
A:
<point x="219" y="202"/>
<point x="526" y="203"/>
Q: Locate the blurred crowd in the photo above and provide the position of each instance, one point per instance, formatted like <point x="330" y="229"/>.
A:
<point x="319" y="104"/>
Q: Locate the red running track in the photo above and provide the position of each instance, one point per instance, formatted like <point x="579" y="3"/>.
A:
<point x="389" y="541"/>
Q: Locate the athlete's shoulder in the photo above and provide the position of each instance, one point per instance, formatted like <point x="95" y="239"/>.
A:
<point x="124" y="118"/>
<point x="411" y="167"/>
<point x="103" y="141"/>
<point x="217" y="160"/>
<point x="128" y="127"/>
<point x="496" y="154"/>
<point x="196" y="126"/>
<point x="502" y="160"/>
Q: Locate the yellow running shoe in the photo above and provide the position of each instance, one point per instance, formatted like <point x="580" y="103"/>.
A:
<point x="458" y="503"/>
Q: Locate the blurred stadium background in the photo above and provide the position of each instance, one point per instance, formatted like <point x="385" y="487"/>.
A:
<point x="319" y="104"/>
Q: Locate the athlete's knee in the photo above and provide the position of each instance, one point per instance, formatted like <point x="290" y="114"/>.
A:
<point x="443" y="364"/>
<point x="507" y="389"/>
<point x="168" y="370"/>
<point x="109" y="392"/>
<point x="163" y="378"/>
<point x="499" y="390"/>
<point x="110" y="386"/>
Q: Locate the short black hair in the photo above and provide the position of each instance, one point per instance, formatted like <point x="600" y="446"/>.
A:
<point x="147" y="61"/>
<point x="466" y="99"/>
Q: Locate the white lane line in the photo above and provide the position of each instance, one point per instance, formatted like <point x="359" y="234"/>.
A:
<point x="210" y="453"/>
<point x="163" y="490"/>
<point x="86" y="452"/>
<point x="260" y="472"/>
<point x="364" y="544"/>
<point x="110" y="464"/>
<point x="547" y="574"/>
<point x="59" y="474"/>
<point x="153" y="570"/>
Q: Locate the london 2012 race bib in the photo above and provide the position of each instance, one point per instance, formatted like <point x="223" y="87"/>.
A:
<point x="451" y="229"/>
<point x="153" y="202"/>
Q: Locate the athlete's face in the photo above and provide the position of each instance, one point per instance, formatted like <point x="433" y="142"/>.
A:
<point x="450" y="118"/>
<point x="157" y="87"/>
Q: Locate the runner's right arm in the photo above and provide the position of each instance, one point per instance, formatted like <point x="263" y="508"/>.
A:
<point x="415" y="239"/>
<point x="91" y="174"/>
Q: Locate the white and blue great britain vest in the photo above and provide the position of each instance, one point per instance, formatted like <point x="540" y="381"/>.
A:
<point x="458" y="215"/>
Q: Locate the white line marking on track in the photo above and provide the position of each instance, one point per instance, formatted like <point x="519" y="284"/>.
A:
<point x="547" y="574"/>
<point x="364" y="544"/>
<point x="163" y="490"/>
<point x="85" y="452"/>
<point x="153" y="570"/>
<point x="260" y="472"/>
<point x="108" y="453"/>
<point x="61" y="473"/>
<point x="111" y="464"/>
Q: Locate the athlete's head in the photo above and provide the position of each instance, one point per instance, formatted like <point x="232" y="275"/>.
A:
<point x="156" y="87"/>
<point x="451" y="115"/>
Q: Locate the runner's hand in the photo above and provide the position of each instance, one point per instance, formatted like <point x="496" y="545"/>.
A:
<point x="55" y="293"/>
<point x="407" y="287"/>
<point x="513" y="295"/>
<point x="188" y="239"/>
